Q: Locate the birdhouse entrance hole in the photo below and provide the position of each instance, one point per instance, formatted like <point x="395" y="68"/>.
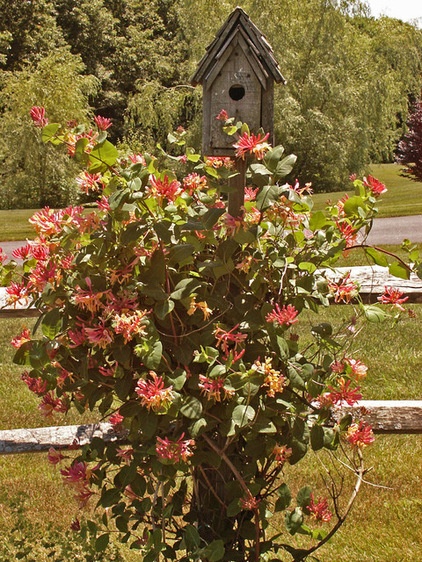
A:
<point x="237" y="92"/>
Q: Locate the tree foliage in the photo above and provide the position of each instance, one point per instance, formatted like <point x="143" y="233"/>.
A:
<point x="350" y="77"/>
<point x="33" y="175"/>
<point x="409" y="150"/>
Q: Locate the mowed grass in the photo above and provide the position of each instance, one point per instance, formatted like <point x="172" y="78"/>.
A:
<point x="14" y="225"/>
<point x="385" y="524"/>
<point x="403" y="196"/>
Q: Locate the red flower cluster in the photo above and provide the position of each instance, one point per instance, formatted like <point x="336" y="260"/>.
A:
<point x="253" y="144"/>
<point x="360" y="435"/>
<point x="377" y="188"/>
<point x="393" y="296"/>
<point x="174" y="451"/>
<point x="153" y="393"/>
<point x="319" y="511"/>
<point x="38" y="116"/>
<point x="285" y="316"/>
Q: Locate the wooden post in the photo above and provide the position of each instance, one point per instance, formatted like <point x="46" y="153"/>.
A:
<point x="238" y="184"/>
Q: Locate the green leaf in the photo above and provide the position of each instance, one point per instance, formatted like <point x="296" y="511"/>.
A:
<point x="317" y="437"/>
<point x="284" y="498"/>
<point x="163" y="308"/>
<point x="318" y="221"/>
<point x="191" y="537"/>
<point x="273" y="157"/>
<point x="181" y="254"/>
<point x="352" y="206"/>
<point x="379" y="258"/>
<point x="49" y="132"/>
<point x="285" y="166"/>
<point x="294" y="520"/>
<point x="374" y="313"/>
<point x="184" y="288"/>
<point x="214" y="551"/>
<point x="191" y="408"/>
<point x="242" y="415"/>
<point x="102" y="157"/>
<point x="102" y="542"/>
<point x="399" y="270"/>
<point x="152" y="358"/>
<point x="303" y="497"/>
<point x="52" y="323"/>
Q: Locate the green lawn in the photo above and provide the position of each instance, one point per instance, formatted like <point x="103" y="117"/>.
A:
<point x="404" y="196"/>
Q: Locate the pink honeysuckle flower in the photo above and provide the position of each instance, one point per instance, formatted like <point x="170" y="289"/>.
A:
<point x="23" y="337"/>
<point x="282" y="453"/>
<point x="50" y="404"/>
<point x="116" y="419"/>
<point x="3" y="256"/>
<point x="347" y="232"/>
<point x="153" y="393"/>
<point x="194" y="182"/>
<point x="165" y="188"/>
<point x="217" y="162"/>
<point x="214" y="389"/>
<point x="137" y="159"/>
<point x="43" y="274"/>
<point x="251" y="193"/>
<point x="89" y="299"/>
<point x="359" y="435"/>
<point x="99" y="334"/>
<point x="253" y="144"/>
<point x="344" y="290"/>
<point x="393" y="296"/>
<point x="38" y="116"/>
<point x="249" y="503"/>
<point x="130" y="324"/>
<point x="75" y="525"/>
<point x="40" y="252"/>
<point x="319" y="511"/>
<point x="125" y="454"/>
<point x="222" y="116"/>
<point x="284" y="316"/>
<point x="36" y="385"/>
<point x="230" y="341"/>
<point x="342" y="393"/>
<point x="103" y="123"/>
<point x="90" y="182"/>
<point x="22" y="253"/>
<point x="174" y="451"/>
<point x="377" y="188"/>
<point x="54" y="456"/>
<point x="17" y="292"/>
<point x="78" y="476"/>
<point x="358" y="369"/>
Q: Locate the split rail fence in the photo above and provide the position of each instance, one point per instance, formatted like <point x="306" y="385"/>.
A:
<point x="386" y="416"/>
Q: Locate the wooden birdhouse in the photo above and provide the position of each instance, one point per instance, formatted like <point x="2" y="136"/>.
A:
<point x="237" y="73"/>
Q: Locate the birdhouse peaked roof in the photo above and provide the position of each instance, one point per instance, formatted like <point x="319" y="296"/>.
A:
<point x="238" y="28"/>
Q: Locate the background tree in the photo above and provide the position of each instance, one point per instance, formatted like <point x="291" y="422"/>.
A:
<point x="409" y="152"/>
<point x="350" y="77"/>
<point x="32" y="174"/>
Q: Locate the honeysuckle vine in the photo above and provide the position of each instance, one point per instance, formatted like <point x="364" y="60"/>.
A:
<point x="181" y="325"/>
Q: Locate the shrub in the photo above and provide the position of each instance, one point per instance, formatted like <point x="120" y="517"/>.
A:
<point x="177" y="321"/>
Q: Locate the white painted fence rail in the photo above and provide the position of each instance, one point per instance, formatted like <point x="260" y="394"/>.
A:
<point x="385" y="416"/>
<point x="372" y="281"/>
